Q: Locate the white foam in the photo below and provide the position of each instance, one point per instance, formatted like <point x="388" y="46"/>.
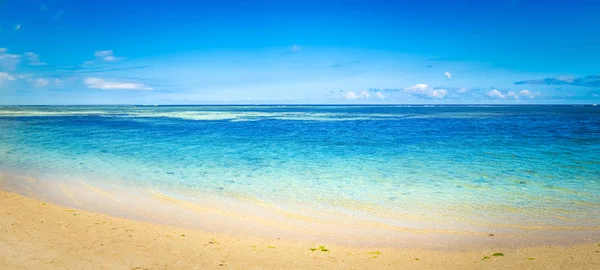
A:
<point x="198" y="115"/>
<point x="251" y="216"/>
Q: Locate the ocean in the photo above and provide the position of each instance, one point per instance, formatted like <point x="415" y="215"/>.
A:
<point x="447" y="168"/>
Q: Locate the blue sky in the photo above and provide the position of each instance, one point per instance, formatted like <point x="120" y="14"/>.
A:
<point x="221" y="52"/>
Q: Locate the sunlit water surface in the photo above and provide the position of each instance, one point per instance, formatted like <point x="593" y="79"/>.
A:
<point x="450" y="167"/>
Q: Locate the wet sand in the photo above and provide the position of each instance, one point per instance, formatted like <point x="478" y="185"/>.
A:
<point x="39" y="235"/>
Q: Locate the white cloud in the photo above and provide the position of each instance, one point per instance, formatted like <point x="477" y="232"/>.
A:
<point x="6" y="77"/>
<point x="568" y="79"/>
<point x="103" y="56"/>
<point x="34" y="59"/>
<point x="462" y="90"/>
<point x="439" y="93"/>
<point x="371" y="94"/>
<point x="526" y="93"/>
<point x="529" y="94"/>
<point x="295" y="48"/>
<point x="351" y="95"/>
<point x="511" y="94"/>
<point x="107" y="55"/>
<point x="496" y="94"/>
<point x="448" y="75"/>
<point x="41" y="82"/>
<point x="17" y="27"/>
<point x="7" y="60"/>
<point x="420" y="86"/>
<point x="8" y="56"/>
<point x="424" y="90"/>
<point x="58" y="82"/>
<point x="106" y="85"/>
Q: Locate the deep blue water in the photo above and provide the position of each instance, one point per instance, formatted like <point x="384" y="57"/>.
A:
<point x="495" y="165"/>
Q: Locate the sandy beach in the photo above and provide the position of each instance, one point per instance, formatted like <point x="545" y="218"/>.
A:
<point x="39" y="235"/>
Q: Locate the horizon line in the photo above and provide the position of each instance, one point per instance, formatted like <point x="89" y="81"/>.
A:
<point x="313" y="104"/>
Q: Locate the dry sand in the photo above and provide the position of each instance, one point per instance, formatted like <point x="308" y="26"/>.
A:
<point x="39" y="235"/>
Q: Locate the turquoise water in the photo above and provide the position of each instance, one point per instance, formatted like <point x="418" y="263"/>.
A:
<point x="495" y="166"/>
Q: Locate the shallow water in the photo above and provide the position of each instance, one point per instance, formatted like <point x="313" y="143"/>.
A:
<point x="441" y="167"/>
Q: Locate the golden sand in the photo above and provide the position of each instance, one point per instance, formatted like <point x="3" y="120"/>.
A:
<point x="39" y="235"/>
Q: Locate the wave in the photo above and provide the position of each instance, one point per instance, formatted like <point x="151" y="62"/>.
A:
<point x="10" y="113"/>
<point x="240" y="116"/>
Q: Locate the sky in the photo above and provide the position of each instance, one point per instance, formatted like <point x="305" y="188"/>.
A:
<point x="299" y="52"/>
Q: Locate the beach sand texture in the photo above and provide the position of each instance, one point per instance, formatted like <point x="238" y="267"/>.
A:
<point x="39" y="235"/>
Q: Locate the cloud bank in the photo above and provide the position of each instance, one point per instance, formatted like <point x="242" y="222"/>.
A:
<point x="98" y="83"/>
<point x="423" y="90"/>
<point x="105" y="55"/>
<point x="587" y="81"/>
<point x="495" y="93"/>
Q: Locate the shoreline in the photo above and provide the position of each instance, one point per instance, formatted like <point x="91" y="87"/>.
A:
<point x="37" y="234"/>
<point x="257" y="219"/>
